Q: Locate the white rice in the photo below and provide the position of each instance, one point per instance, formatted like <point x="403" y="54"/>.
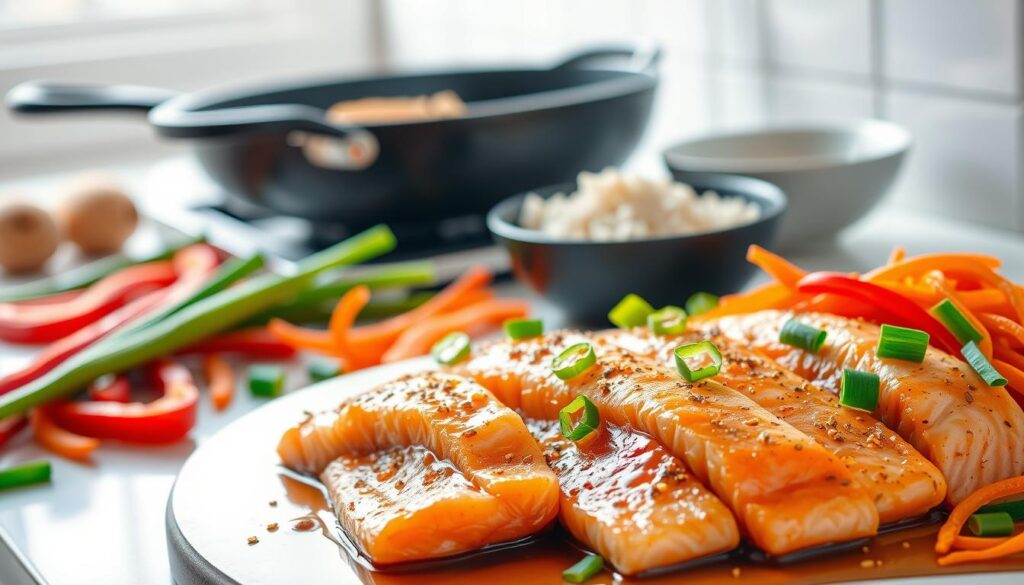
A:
<point x="613" y="206"/>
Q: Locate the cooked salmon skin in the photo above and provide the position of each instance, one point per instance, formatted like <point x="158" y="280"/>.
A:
<point x="625" y="497"/>
<point x="786" y="491"/>
<point x="972" y="432"/>
<point x="457" y="420"/>
<point x="901" y="481"/>
<point x="386" y="500"/>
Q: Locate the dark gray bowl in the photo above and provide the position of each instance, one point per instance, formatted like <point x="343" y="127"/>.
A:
<point x="585" y="279"/>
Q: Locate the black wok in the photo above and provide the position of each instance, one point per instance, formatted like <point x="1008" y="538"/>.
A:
<point x="272" y="146"/>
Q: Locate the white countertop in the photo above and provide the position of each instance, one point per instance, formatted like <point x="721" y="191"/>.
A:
<point x="104" y="523"/>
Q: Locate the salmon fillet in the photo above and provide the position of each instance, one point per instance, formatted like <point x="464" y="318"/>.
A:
<point x="385" y="500"/>
<point x="786" y="491"/>
<point x="901" y="481"/>
<point x="623" y="496"/>
<point x="972" y="432"/>
<point x="458" y="421"/>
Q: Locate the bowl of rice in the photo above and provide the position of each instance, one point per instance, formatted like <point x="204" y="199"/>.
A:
<point x="585" y="245"/>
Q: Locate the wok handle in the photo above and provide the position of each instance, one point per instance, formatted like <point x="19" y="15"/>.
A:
<point x="641" y="57"/>
<point x="180" y="123"/>
<point x="41" y="97"/>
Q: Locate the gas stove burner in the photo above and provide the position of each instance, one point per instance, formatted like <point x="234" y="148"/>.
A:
<point x="198" y="208"/>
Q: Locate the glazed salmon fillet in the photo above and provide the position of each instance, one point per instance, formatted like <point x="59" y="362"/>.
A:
<point x="786" y="491"/>
<point x="385" y="499"/>
<point x="901" y="481"/>
<point x="458" y="421"/>
<point x="625" y="497"/>
<point x="972" y="432"/>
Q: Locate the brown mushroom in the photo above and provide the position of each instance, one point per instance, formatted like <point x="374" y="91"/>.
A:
<point x="97" y="214"/>
<point x="28" y="236"/>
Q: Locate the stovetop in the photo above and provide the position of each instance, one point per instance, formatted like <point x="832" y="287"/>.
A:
<point x="178" y="194"/>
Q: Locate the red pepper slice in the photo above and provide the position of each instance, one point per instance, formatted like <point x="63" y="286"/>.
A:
<point x="164" y="420"/>
<point x="42" y="323"/>
<point x="256" y="343"/>
<point x="115" y="389"/>
<point x="11" y="426"/>
<point x="897" y="309"/>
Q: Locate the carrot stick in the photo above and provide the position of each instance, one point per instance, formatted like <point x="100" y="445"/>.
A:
<point x="1006" y="327"/>
<point x="302" y="337"/>
<point x="372" y="341"/>
<point x="978" y="543"/>
<point x="221" y="380"/>
<point x="955" y="523"/>
<point x="897" y="255"/>
<point x="1014" y="377"/>
<point x="1005" y="352"/>
<point x="418" y="339"/>
<point x="342" y="318"/>
<point x="1012" y="545"/>
<point x="925" y="262"/>
<point x="773" y="295"/>
<point x="989" y="300"/>
<point x="62" y="442"/>
<point x="782" y="270"/>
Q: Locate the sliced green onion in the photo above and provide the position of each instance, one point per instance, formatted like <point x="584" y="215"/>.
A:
<point x="901" y="343"/>
<point x="25" y="474"/>
<point x="700" y="302"/>
<point x="694" y="350"/>
<point x="586" y="568"/>
<point x="523" y="328"/>
<point x="589" y="418"/>
<point x="321" y="369"/>
<point x="802" y="335"/>
<point x="950" y="316"/>
<point x="1015" y="509"/>
<point x="631" y="312"/>
<point x="573" y="361"/>
<point x="990" y="524"/>
<point x="859" y="390"/>
<point x="266" y="380"/>
<point x="668" y="320"/>
<point x="452" y="349"/>
<point x="981" y="365"/>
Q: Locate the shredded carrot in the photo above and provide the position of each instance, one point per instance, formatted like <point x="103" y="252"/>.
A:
<point x="978" y="543"/>
<point x="989" y="300"/>
<point x="897" y="255"/>
<point x="60" y="441"/>
<point x="955" y="523"/>
<point x="773" y="295"/>
<point x="1010" y="546"/>
<point x="1005" y="352"/>
<point x="418" y="339"/>
<point x="938" y="280"/>
<point x="1014" y="332"/>
<point x="342" y="318"/>
<point x="925" y="262"/>
<point x="303" y="337"/>
<point x="221" y="380"/>
<point x="782" y="270"/>
<point x="1014" y="377"/>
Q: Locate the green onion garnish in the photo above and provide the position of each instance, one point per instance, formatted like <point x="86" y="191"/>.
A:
<point x="698" y="350"/>
<point x="589" y="418"/>
<point x="1015" y="509"/>
<point x="668" y="320"/>
<point x="588" y="566"/>
<point x="802" y="335"/>
<point x="631" y="312"/>
<point x="950" y="316"/>
<point x="700" y="302"/>
<point x="573" y="361"/>
<point x="859" y="390"/>
<point x="990" y="524"/>
<point x="266" y="380"/>
<point x="901" y="343"/>
<point x="452" y="349"/>
<point x="321" y="369"/>
<point x="25" y="474"/>
<point x="523" y="328"/>
<point x="981" y="365"/>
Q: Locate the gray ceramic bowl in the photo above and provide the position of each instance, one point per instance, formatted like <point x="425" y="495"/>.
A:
<point x="585" y="279"/>
<point x="833" y="174"/>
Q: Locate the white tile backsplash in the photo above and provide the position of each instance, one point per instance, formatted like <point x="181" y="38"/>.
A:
<point x="810" y="99"/>
<point x="972" y="45"/>
<point x="735" y="32"/>
<point x="828" y="35"/>
<point x="965" y="160"/>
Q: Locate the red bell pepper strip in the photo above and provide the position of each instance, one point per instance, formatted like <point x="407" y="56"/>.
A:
<point x="898" y="310"/>
<point x="256" y="343"/>
<point x="9" y="427"/>
<point x="164" y="420"/>
<point x="114" y="388"/>
<point x="43" y="323"/>
<point x="196" y="263"/>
